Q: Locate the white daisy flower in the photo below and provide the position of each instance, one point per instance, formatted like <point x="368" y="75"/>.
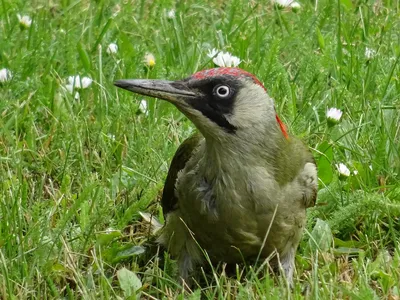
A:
<point x="112" y="48"/>
<point x="343" y="170"/>
<point x="5" y="75"/>
<point x="149" y="60"/>
<point x="369" y="53"/>
<point x="24" y="21"/>
<point x="143" y="107"/>
<point x="334" y="115"/>
<point x="171" y="14"/>
<point x="213" y="52"/>
<point x="295" y="5"/>
<point x="223" y="59"/>
<point x="70" y="89"/>
<point x="287" y="3"/>
<point x="78" y="83"/>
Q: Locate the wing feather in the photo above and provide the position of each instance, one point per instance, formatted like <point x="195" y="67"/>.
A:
<point x="169" y="202"/>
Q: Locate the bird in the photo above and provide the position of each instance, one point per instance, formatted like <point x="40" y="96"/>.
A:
<point x="237" y="190"/>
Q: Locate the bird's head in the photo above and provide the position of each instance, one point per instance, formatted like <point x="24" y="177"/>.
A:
<point x="221" y="102"/>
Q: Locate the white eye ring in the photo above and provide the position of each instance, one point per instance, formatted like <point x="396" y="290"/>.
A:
<point x="223" y="91"/>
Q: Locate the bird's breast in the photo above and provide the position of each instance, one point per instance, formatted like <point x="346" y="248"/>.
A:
<point x="232" y="211"/>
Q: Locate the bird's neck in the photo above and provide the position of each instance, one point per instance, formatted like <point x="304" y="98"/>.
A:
<point x="233" y="154"/>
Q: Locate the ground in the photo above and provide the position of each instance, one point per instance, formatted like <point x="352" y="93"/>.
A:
<point x="80" y="158"/>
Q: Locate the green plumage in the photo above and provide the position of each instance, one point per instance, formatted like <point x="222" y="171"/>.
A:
<point x="293" y="155"/>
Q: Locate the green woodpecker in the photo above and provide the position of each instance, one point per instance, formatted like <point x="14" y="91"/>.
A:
<point x="239" y="189"/>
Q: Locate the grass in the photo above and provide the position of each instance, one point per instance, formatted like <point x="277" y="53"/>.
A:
<point x="75" y="173"/>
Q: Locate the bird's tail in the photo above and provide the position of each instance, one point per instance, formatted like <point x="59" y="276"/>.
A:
<point x="155" y="224"/>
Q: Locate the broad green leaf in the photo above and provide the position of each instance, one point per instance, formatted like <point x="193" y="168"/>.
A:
<point x="129" y="283"/>
<point x="59" y="268"/>
<point x="382" y="261"/>
<point x="346" y="251"/>
<point x="324" y="163"/>
<point x="196" y="295"/>
<point x="116" y="251"/>
<point x="128" y="252"/>
<point x="107" y="237"/>
<point x="321" y="237"/>
<point x="346" y="244"/>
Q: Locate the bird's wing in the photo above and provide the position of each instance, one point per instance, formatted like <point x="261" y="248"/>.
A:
<point x="296" y="162"/>
<point x="309" y="179"/>
<point x="169" y="201"/>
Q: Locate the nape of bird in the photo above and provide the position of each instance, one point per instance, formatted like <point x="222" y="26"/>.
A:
<point x="240" y="187"/>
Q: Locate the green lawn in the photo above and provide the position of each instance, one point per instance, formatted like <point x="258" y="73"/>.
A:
<point x="74" y="173"/>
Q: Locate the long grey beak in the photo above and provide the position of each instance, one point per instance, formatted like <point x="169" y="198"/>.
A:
<point x="168" y="90"/>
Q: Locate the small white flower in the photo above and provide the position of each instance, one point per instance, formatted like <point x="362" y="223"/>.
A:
<point x="70" y="89"/>
<point x="223" y="59"/>
<point x="78" y="83"/>
<point x="295" y="5"/>
<point x="213" y="52"/>
<point x="343" y="170"/>
<point x="143" y="107"/>
<point x="112" y="48"/>
<point x="5" y="75"/>
<point x="369" y="53"/>
<point x="149" y="60"/>
<point x="24" y="21"/>
<point x="355" y="172"/>
<point x="334" y="115"/>
<point x="287" y="3"/>
<point x="171" y="14"/>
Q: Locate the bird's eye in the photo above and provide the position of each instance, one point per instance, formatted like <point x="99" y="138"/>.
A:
<point x="222" y="91"/>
